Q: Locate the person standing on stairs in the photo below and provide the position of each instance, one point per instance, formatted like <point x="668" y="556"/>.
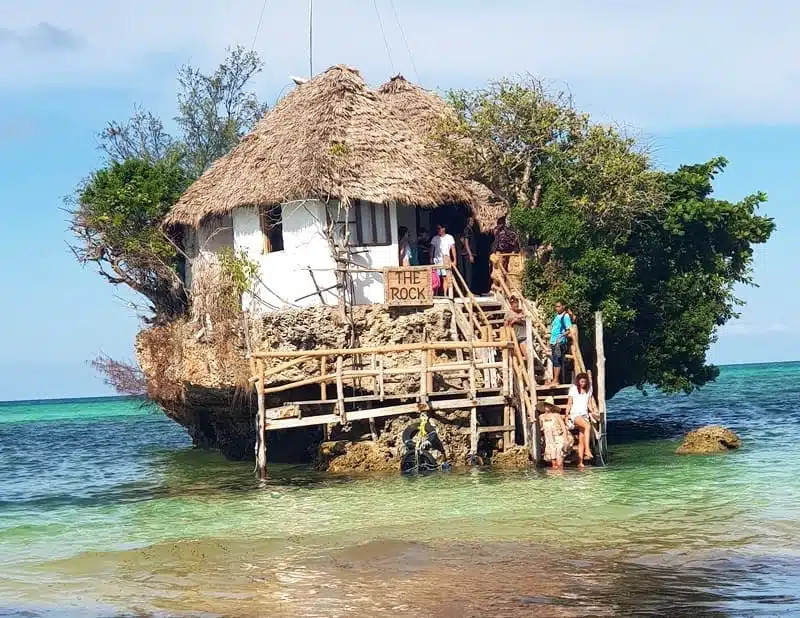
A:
<point x="515" y="318"/>
<point x="559" y="332"/>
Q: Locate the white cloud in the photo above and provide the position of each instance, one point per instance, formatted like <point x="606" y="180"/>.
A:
<point x="655" y="64"/>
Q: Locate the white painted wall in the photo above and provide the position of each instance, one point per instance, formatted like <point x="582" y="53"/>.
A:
<point x="213" y="235"/>
<point x="285" y="277"/>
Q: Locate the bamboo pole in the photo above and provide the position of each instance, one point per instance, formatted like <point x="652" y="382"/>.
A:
<point x="429" y="373"/>
<point x="423" y="378"/>
<point x="261" y="452"/>
<point x="381" y="386"/>
<point x="385" y="349"/>
<point x="340" y="388"/>
<point x="601" y="375"/>
<point x="473" y="431"/>
<point x="323" y="370"/>
<point x="282" y="367"/>
<point x="373" y="366"/>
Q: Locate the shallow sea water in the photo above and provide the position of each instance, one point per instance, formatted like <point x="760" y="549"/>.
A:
<point x="107" y="510"/>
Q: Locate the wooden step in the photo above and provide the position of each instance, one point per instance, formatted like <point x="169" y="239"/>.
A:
<point x="496" y="428"/>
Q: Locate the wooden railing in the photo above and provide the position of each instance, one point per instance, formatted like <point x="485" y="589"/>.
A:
<point x="365" y="373"/>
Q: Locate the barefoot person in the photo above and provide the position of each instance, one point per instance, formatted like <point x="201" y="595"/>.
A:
<point x="515" y="318"/>
<point x="580" y="406"/>
<point x="558" y="340"/>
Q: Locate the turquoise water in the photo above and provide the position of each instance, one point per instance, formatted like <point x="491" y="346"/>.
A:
<point x="107" y="510"/>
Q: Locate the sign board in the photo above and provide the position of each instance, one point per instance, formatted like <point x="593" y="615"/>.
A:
<point x="408" y="286"/>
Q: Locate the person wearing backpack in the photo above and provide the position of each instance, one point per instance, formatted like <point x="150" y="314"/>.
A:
<point x="559" y="339"/>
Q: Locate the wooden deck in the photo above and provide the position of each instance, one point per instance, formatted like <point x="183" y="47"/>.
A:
<point x="483" y="368"/>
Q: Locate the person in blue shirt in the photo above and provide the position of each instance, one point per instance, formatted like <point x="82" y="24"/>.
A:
<point x="558" y="340"/>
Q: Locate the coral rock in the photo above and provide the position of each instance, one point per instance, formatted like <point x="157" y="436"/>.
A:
<point x="709" y="439"/>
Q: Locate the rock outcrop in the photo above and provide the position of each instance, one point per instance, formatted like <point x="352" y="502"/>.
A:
<point x="198" y="373"/>
<point x="709" y="439"/>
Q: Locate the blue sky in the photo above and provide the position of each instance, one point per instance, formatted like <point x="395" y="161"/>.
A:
<point x="693" y="79"/>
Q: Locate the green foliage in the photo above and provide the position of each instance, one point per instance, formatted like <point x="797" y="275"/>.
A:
<point x="654" y="251"/>
<point x="126" y="202"/>
<point x="663" y="287"/>
<point x="240" y="272"/>
<point x="117" y="216"/>
<point x="118" y="210"/>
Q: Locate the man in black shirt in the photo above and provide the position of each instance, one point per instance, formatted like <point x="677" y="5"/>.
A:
<point x="467" y="249"/>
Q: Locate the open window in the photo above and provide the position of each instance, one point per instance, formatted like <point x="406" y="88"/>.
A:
<point x="271" y="228"/>
<point x="372" y="224"/>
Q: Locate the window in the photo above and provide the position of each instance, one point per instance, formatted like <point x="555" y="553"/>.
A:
<point x="372" y="223"/>
<point x="271" y="228"/>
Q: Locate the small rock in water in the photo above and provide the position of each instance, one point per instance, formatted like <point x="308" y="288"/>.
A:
<point x="709" y="439"/>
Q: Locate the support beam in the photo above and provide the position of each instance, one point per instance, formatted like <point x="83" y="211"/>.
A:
<point x="601" y="375"/>
<point x="261" y="438"/>
<point x="340" y="389"/>
<point x="409" y="408"/>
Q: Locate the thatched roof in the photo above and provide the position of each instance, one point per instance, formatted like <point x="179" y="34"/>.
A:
<point x="331" y="137"/>
<point x="423" y="110"/>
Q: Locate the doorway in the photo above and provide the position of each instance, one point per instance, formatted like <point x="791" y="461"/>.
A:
<point x="454" y="218"/>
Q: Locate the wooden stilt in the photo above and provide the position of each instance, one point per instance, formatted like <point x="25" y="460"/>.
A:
<point x="423" y="378"/>
<point x="381" y="388"/>
<point x="473" y="431"/>
<point x="261" y="438"/>
<point x="429" y="373"/>
<point x="323" y="386"/>
<point x="601" y="377"/>
<point x="340" y="389"/>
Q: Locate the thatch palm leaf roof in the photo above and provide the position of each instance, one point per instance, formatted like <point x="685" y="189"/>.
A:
<point x="331" y="137"/>
<point x="424" y="111"/>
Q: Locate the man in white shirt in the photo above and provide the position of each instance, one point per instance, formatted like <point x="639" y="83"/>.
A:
<point x="443" y="252"/>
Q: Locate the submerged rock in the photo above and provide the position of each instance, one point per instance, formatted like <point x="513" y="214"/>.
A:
<point x="709" y="439"/>
<point x="360" y="456"/>
<point x="514" y="458"/>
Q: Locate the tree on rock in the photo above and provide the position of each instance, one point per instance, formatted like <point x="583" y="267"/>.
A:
<point x="117" y="212"/>
<point x="653" y="250"/>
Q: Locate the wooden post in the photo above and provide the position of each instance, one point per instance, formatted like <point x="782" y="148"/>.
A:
<point x="506" y="369"/>
<point x="601" y="376"/>
<point x="533" y="420"/>
<point x="261" y="438"/>
<point x="323" y="386"/>
<point x="508" y="410"/>
<point x="423" y="378"/>
<point x="429" y="373"/>
<point x="372" y="429"/>
<point x="340" y="389"/>
<point x="473" y="431"/>
<point x="473" y="391"/>
<point x="381" y="388"/>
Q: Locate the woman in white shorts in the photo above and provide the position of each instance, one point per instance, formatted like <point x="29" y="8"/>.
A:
<point x="580" y="406"/>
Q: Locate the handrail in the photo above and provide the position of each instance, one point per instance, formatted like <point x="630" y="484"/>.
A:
<point x="465" y="293"/>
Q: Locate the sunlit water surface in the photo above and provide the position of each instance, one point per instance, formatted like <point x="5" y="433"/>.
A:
<point x="107" y="510"/>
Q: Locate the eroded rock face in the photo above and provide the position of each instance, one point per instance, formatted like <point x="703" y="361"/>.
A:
<point x="350" y="448"/>
<point x="198" y="373"/>
<point x="709" y="439"/>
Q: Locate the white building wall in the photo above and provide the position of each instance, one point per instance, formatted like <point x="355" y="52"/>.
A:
<point x="285" y="275"/>
<point x="213" y="235"/>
